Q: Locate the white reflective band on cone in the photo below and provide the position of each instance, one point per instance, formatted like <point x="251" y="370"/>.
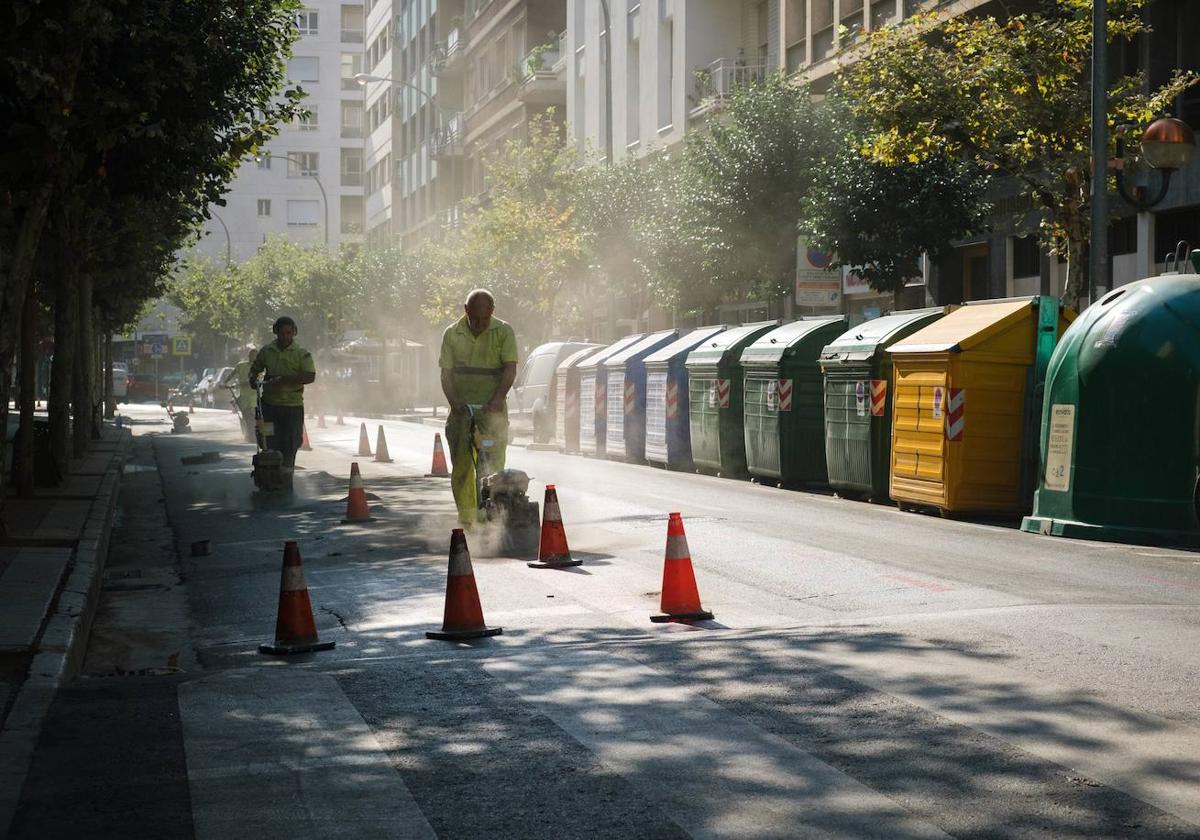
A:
<point x="677" y="548"/>
<point x="460" y="563"/>
<point x="552" y="512"/>
<point x="293" y="579"/>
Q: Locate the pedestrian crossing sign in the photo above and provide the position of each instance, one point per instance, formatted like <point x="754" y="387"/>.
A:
<point x="181" y="345"/>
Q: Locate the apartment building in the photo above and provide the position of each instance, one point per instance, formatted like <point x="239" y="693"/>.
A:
<point x="456" y="79"/>
<point x="1007" y="261"/>
<point x="308" y="183"/>
<point x="673" y="61"/>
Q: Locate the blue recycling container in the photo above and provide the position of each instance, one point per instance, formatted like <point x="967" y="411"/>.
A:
<point x="668" y="435"/>
<point x="626" y="422"/>
<point x="593" y="399"/>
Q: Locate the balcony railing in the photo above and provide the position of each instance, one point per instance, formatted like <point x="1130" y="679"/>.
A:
<point x="448" y="138"/>
<point x="352" y="179"/>
<point x="352" y="131"/>
<point x="352" y="36"/>
<point x="453" y="217"/>
<point x="539" y="60"/>
<point x="715" y="83"/>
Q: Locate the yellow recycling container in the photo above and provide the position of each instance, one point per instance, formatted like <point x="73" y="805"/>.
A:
<point x="967" y="406"/>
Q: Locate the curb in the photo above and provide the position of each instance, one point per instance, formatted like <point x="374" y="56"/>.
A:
<point x="61" y="648"/>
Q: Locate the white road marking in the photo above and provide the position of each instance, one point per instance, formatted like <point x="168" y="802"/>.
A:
<point x="279" y="753"/>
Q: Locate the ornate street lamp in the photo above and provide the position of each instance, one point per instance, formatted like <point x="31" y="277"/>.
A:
<point x="1167" y="145"/>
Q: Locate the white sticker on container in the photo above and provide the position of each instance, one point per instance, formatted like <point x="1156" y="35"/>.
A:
<point x="1060" y="440"/>
<point x="938" y="396"/>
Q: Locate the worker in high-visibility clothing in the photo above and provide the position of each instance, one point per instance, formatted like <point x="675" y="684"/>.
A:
<point x="479" y="364"/>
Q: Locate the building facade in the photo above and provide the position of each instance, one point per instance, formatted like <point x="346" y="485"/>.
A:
<point x="308" y="183"/>
<point x="458" y="79"/>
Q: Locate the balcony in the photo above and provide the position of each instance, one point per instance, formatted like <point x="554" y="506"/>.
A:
<point x="714" y="84"/>
<point x="539" y="83"/>
<point x="447" y="141"/>
<point x="560" y="63"/>
<point x="352" y="131"/>
<point x="352" y="179"/>
<point x="352" y="36"/>
<point x="453" y="217"/>
<point x="449" y="56"/>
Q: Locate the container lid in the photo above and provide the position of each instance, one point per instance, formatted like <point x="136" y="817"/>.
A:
<point x="771" y="347"/>
<point x="969" y="327"/>
<point x="731" y="341"/>
<point x="576" y="357"/>
<point x="597" y="358"/>
<point x="683" y="344"/>
<point x="862" y="342"/>
<point x="640" y="349"/>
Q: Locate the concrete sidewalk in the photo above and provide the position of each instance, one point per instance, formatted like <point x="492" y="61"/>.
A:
<point x="51" y="563"/>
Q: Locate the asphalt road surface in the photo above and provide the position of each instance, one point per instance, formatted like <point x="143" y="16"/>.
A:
<point x="869" y="673"/>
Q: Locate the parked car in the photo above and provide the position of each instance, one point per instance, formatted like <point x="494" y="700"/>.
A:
<point x="120" y="372"/>
<point x="204" y="385"/>
<point x="528" y="400"/>
<point x="215" y="395"/>
<point x="143" y="386"/>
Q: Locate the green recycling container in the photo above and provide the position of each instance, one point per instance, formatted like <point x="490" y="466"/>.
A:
<point x="1120" y="451"/>
<point x="784" y="401"/>
<point x="858" y="402"/>
<point x="715" y="399"/>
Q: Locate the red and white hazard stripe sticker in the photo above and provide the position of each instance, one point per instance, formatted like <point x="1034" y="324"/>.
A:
<point x="601" y="406"/>
<point x="955" y="410"/>
<point x="723" y="393"/>
<point x="630" y="397"/>
<point x="785" y="395"/>
<point x="672" y="400"/>
<point x="878" y="397"/>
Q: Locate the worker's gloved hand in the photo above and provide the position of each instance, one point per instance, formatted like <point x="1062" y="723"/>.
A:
<point x="458" y="408"/>
<point x="494" y="406"/>
<point x="253" y="380"/>
<point x="273" y="380"/>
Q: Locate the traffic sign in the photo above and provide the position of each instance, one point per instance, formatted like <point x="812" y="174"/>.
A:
<point x="157" y="349"/>
<point x="181" y="345"/>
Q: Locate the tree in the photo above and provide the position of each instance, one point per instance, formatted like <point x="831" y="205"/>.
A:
<point x="880" y="218"/>
<point x="523" y="241"/>
<point x="1010" y="96"/>
<point x="748" y="175"/>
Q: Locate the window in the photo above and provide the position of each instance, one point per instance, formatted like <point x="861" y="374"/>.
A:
<point x="306" y="22"/>
<point x="353" y="216"/>
<point x="352" y="167"/>
<point x="352" y="118"/>
<point x="304" y="69"/>
<point x="303" y="213"/>
<point x="666" y="73"/>
<point x="302" y="164"/>
<point x="308" y="121"/>
<point x="263" y="162"/>
<point x="352" y="65"/>
<point x="264" y="207"/>
<point x="352" y="24"/>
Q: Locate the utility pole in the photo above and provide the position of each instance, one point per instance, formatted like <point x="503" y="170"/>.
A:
<point x="1098" y="251"/>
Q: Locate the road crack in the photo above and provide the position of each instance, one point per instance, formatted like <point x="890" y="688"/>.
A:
<point x="336" y="615"/>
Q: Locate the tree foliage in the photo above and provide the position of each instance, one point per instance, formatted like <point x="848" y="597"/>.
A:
<point x="1009" y="95"/>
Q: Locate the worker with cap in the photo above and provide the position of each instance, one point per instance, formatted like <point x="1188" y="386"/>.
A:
<point x="478" y="364"/>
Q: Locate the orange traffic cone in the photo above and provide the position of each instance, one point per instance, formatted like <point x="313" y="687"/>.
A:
<point x="356" y="502"/>
<point x="305" y="445"/>
<point x="364" y="443"/>
<point x="680" y="598"/>
<point x="463" y="618"/>
<point x="553" y="552"/>
<point x="381" y="453"/>
<point x="295" y="631"/>
<point x="340" y="420"/>
<point x="438" y="470"/>
<point x="321" y="421"/>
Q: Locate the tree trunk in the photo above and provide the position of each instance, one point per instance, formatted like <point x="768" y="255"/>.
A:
<point x="23" y="457"/>
<point x="110" y="408"/>
<point x="14" y="280"/>
<point x="61" y="365"/>
<point x="84" y="374"/>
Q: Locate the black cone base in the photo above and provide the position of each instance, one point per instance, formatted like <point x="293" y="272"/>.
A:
<point x="698" y="615"/>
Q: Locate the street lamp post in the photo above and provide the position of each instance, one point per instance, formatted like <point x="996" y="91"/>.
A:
<point x="1098" y="252"/>
<point x="228" y="240"/>
<point x="320" y="186"/>
<point x="364" y="78"/>
<point x="608" y="69"/>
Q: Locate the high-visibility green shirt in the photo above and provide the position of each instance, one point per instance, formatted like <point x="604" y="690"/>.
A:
<point x="241" y="376"/>
<point x="477" y="360"/>
<point x="278" y="362"/>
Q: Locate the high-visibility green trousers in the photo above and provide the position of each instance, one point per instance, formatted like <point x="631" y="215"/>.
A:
<point x="462" y="468"/>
